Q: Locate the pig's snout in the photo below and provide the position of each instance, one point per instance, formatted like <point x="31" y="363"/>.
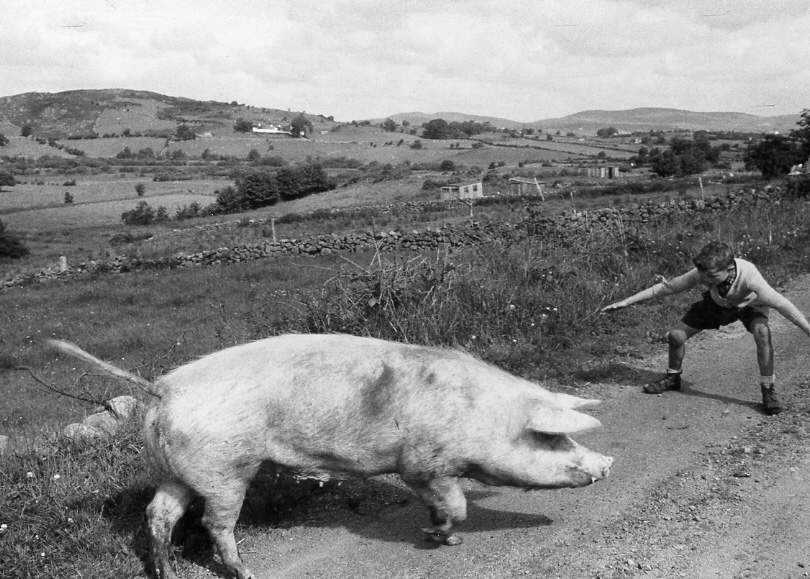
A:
<point x="607" y="462"/>
<point x="594" y="468"/>
<point x="602" y="468"/>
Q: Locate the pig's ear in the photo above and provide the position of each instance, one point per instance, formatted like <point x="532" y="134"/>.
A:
<point x="560" y="421"/>
<point x="568" y="401"/>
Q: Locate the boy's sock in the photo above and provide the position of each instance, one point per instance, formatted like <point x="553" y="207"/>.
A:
<point x="766" y="380"/>
<point x="671" y="371"/>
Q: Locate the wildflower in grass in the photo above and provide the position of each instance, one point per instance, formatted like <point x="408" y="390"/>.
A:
<point x="3" y="528"/>
<point x="56" y="477"/>
<point x="29" y="474"/>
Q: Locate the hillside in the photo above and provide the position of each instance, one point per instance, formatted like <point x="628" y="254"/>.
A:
<point x="113" y="111"/>
<point x="81" y="113"/>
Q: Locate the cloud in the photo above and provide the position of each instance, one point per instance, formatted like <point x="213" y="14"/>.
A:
<point x="354" y="59"/>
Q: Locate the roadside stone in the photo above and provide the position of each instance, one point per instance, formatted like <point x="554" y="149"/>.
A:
<point x="81" y="433"/>
<point x="123" y="407"/>
<point x="104" y="422"/>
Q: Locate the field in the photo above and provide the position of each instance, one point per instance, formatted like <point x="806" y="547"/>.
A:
<point x="689" y="466"/>
<point x="530" y="307"/>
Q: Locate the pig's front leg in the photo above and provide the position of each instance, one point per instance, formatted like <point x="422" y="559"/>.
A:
<point x="447" y="505"/>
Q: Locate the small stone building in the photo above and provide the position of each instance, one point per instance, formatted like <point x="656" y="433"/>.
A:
<point x="524" y="186"/>
<point x="606" y="172"/>
<point x="466" y="191"/>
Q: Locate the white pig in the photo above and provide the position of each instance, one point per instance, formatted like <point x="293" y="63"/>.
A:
<point x="338" y="405"/>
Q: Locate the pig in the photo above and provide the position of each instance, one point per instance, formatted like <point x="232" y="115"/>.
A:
<point x="339" y="406"/>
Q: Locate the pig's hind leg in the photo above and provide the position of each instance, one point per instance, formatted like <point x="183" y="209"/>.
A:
<point x="222" y="508"/>
<point x="169" y="503"/>
<point x="447" y="505"/>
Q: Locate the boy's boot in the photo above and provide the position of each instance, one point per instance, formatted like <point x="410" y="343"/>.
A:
<point x="669" y="382"/>
<point x="770" y="400"/>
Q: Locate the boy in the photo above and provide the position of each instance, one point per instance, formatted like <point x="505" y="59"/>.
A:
<point x="736" y="291"/>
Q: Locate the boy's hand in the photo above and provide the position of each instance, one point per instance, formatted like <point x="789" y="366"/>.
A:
<point x="614" y="306"/>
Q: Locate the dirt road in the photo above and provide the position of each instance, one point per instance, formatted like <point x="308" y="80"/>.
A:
<point x="704" y="486"/>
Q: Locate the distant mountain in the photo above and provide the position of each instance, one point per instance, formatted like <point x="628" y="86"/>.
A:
<point x="630" y="120"/>
<point x="660" y="119"/>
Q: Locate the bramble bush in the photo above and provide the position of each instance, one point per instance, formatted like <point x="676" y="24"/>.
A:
<point x="10" y="245"/>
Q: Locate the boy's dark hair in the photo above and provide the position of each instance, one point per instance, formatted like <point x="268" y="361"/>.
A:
<point x="714" y="256"/>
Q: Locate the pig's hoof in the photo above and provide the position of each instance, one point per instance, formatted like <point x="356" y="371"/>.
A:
<point x="452" y="540"/>
<point x="442" y="538"/>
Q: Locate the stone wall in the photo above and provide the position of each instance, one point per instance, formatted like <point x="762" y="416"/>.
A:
<point x="635" y="215"/>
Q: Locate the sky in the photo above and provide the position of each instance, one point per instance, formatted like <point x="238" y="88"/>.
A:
<point x="523" y="60"/>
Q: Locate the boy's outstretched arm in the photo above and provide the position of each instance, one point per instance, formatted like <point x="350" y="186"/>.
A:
<point x="785" y="307"/>
<point x="662" y="288"/>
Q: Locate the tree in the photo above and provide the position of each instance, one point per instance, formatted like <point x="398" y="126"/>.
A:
<point x="684" y="157"/>
<point x="3" y="140"/>
<point x="802" y="134"/>
<point x="140" y="189"/>
<point x="311" y="178"/>
<point x="253" y="156"/>
<point x="26" y="130"/>
<point x="143" y="214"/>
<point x="389" y="126"/>
<point x="774" y="155"/>
<point x="10" y="245"/>
<point x="666" y="164"/>
<point x="436" y="129"/>
<point x="243" y="126"/>
<point x="184" y="133"/>
<point x="125" y="154"/>
<point x="7" y="179"/>
<point x="257" y="189"/>
<point x="606" y="133"/>
<point x="299" y="126"/>
<point x="230" y="200"/>
<point x="287" y="182"/>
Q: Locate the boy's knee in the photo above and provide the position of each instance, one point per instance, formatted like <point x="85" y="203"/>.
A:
<point x="761" y="331"/>
<point x="676" y="338"/>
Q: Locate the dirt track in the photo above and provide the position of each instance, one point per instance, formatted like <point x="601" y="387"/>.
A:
<point x="704" y="486"/>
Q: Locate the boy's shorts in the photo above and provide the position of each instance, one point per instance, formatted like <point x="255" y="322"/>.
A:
<point x="708" y="315"/>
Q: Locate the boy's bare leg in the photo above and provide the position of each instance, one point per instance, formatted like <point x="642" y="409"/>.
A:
<point x="677" y="338"/>
<point x="762" y="336"/>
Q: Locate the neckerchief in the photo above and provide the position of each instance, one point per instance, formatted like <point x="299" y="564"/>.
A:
<point x="723" y="288"/>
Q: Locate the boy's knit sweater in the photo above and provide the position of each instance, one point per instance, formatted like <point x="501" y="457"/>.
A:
<point x="748" y="289"/>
